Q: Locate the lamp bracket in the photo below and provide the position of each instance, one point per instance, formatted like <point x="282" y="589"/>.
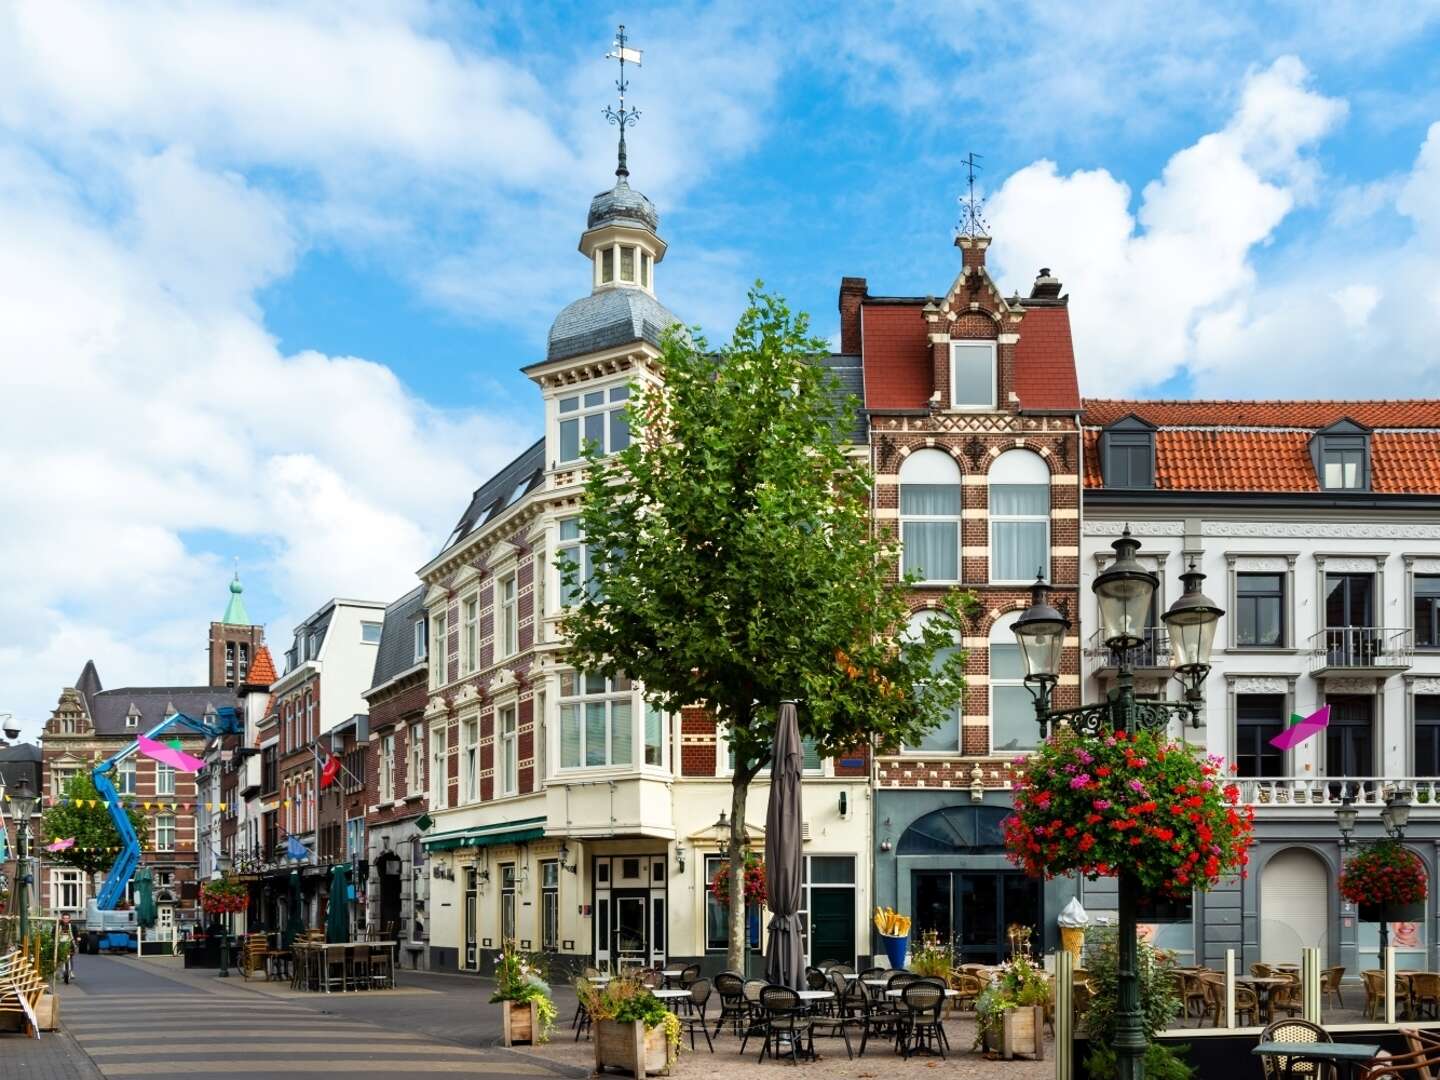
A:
<point x="1121" y="713"/>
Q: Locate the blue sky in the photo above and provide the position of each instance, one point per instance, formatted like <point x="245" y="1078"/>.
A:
<point x="271" y="269"/>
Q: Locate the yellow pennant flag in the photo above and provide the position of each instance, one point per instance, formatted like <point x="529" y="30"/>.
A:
<point x="174" y="806"/>
<point x="147" y="806"/>
<point x="222" y="807"/>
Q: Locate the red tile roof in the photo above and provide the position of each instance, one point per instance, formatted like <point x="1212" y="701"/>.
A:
<point x="1045" y="361"/>
<point x="1418" y="413"/>
<point x="899" y="373"/>
<point x="1252" y="458"/>
<point x="262" y="668"/>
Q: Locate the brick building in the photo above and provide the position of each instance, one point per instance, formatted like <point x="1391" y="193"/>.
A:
<point x="398" y="889"/>
<point x="974" y="439"/>
<point x="90" y="724"/>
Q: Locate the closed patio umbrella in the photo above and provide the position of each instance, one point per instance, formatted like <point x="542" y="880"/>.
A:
<point x="337" y="915"/>
<point x="145" y="912"/>
<point x="784" y="956"/>
<point x="295" y="911"/>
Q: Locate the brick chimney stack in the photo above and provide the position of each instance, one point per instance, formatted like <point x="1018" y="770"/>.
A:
<point x="972" y="250"/>
<point x="853" y="291"/>
<point x="1046" y="287"/>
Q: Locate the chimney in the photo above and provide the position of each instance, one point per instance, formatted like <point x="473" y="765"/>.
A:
<point x="972" y="250"/>
<point x="853" y="291"/>
<point x="1046" y="287"/>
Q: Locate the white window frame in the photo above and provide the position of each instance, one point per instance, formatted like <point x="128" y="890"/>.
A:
<point x="572" y="549"/>
<point x="956" y="347"/>
<point x="415" y="776"/>
<point x="126" y="782"/>
<point x="507" y="776"/>
<point x="1002" y="633"/>
<point x="1028" y="577"/>
<point x="387" y="767"/>
<point x="164" y="779"/>
<point x="439" y="751"/>
<point x="65" y="879"/>
<point x="437" y="651"/>
<point x="312" y="730"/>
<point x="578" y="701"/>
<point x="613" y="398"/>
<point x="507" y="602"/>
<point x="470" y="759"/>
<point x="916" y="461"/>
<point x="365" y="628"/>
<point x="917" y="619"/>
<point x="470" y="634"/>
<point x="164" y="823"/>
<point x="421" y="639"/>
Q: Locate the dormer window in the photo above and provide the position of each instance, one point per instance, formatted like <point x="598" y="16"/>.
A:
<point x="1127" y="454"/>
<point x="1341" y="455"/>
<point x="972" y="374"/>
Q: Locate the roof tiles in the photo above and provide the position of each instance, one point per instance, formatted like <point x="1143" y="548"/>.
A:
<point x="262" y="668"/>
<point x="898" y="370"/>
<point x="1419" y="413"/>
<point x="1045" y="361"/>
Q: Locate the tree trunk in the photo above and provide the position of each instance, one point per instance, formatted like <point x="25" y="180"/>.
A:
<point x="739" y="789"/>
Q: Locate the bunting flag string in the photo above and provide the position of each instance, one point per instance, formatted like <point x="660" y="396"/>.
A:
<point x="151" y="805"/>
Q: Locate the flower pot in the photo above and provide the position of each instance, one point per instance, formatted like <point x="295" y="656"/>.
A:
<point x="631" y="1046"/>
<point x="1393" y="912"/>
<point x="518" y="1023"/>
<point x="1017" y="1031"/>
<point x="895" y="950"/>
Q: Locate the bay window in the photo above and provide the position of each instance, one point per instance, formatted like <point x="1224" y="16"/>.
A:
<point x="595" y="418"/>
<point x="596" y="721"/>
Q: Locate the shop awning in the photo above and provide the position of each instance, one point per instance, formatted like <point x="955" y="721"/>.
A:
<point x="504" y="832"/>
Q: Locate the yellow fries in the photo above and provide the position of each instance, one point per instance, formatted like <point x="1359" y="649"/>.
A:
<point x="891" y="923"/>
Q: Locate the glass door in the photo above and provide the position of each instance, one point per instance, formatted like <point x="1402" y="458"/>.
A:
<point x="1350" y="736"/>
<point x="472" y="957"/>
<point x="1349" y="612"/>
<point x="978" y="911"/>
<point x="932" y="903"/>
<point x="974" y="909"/>
<point x="630" y="946"/>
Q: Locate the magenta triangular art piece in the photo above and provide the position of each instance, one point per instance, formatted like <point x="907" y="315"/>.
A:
<point x="166" y="755"/>
<point x="1294" y="735"/>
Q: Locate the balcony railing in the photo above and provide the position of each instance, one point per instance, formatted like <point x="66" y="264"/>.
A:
<point x="1153" y="653"/>
<point x="1340" y="649"/>
<point x="1327" y="792"/>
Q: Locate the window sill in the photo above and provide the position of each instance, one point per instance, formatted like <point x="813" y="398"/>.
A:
<point x="937" y="584"/>
<point x="1265" y="650"/>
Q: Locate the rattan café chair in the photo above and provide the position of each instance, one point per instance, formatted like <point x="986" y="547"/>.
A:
<point x="1279" y="1066"/>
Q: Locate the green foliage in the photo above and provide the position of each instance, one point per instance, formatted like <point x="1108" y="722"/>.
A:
<point x="1161" y="1063"/>
<point x="1159" y="996"/>
<point x="518" y="978"/>
<point x="96" y="838"/>
<point x="1020" y="983"/>
<point x="735" y="564"/>
<point x="629" y="1000"/>
<point x="931" y="957"/>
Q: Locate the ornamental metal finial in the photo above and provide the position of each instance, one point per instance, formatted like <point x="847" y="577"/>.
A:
<point x="622" y="117"/>
<point x="972" y="224"/>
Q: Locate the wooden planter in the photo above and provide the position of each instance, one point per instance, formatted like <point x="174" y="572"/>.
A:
<point x="519" y="1023"/>
<point x="1017" y="1031"/>
<point x="630" y="1046"/>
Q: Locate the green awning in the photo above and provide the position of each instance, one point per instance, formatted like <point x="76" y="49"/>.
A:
<point x="505" y="832"/>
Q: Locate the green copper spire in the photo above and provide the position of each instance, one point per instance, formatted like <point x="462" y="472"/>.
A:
<point x="235" y="613"/>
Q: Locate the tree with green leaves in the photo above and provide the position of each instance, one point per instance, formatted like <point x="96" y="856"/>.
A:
<point x="96" y="838"/>
<point x="734" y="564"/>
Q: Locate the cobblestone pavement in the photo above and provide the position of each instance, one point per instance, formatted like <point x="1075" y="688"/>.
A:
<point x="152" y="1019"/>
<point x="54" y="1056"/>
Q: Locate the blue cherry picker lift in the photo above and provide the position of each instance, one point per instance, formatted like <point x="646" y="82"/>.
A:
<point x="107" y="929"/>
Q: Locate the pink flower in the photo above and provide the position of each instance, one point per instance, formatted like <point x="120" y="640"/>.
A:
<point x="1080" y="781"/>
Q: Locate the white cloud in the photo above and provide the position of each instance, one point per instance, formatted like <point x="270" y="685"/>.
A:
<point x="1143" y="283"/>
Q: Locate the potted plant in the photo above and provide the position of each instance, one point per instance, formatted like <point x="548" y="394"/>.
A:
<point x="1160" y="1007"/>
<point x="1386" y="880"/>
<point x="634" y="1031"/>
<point x="1010" y="1012"/>
<point x="894" y="930"/>
<point x="526" y="1011"/>
<point x="224" y="896"/>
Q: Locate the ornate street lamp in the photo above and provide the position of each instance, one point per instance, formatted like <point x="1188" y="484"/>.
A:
<point x="1124" y="592"/>
<point x="1346" y="816"/>
<point x="1394" y="818"/>
<point x="22" y="805"/>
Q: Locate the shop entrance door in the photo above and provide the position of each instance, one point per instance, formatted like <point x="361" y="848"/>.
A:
<point x="974" y="908"/>
<point x="631" y="941"/>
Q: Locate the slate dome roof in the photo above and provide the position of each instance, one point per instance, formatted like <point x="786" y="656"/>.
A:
<point x="607" y="319"/>
<point x="622" y="205"/>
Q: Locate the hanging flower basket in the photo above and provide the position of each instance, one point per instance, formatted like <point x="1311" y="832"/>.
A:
<point x="1159" y="810"/>
<point x="754" y="882"/>
<point x="224" y="896"/>
<point x="1387" y="881"/>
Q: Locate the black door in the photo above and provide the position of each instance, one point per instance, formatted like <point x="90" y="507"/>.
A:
<point x="1349" y="610"/>
<point x="1350" y="737"/>
<point x="832" y="925"/>
<point x="974" y="909"/>
<point x="390" y="899"/>
<point x="630" y="944"/>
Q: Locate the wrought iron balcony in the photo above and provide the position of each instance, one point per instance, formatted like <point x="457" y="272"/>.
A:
<point x="1326" y="792"/>
<point x="1154" y="654"/>
<point x="1361" y="650"/>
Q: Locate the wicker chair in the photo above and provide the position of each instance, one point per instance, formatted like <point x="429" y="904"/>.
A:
<point x="920" y="1025"/>
<point x="1261" y="971"/>
<point x="1374" y="993"/>
<point x="1285" y="999"/>
<point x="1425" y="992"/>
<point x="1278" y="1066"/>
<point x="1330" y="980"/>
<point x="967" y="988"/>
<point x="755" y="1018"/>
<point x="1422" y="1042"/>
<point x="733" y="1008"/>
<point x="787" y="1024"/>
<point x="695" y="1015"/>
<point x="1192" y="991"/>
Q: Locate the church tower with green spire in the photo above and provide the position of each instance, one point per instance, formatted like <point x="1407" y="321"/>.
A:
<point x="233" y="640"/>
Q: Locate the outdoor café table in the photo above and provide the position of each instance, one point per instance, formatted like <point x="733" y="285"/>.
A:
<point x="900" y="993"/>
<point x="1341" y="1055"/>
<point x="671" y="974"/>
<point x="326" y="947"/>
<point x="1262" y="985"/>
<point x="669" y="996"/>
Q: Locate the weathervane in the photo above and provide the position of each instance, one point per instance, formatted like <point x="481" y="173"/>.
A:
<point x="971" y="223"/>
<point x="622" y="117"/>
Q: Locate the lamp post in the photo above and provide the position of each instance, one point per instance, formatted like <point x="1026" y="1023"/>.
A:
<point x="1124" y="591"/>
<point x="22" y="804"/>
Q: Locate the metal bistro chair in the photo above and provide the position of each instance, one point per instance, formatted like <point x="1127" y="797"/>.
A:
<point x="382" y="967"/>
<point x="580" y="1022"/>
<point x="788" y="1027"/>
<point x="695" y="1018"/>
<point x="873" y="1018"/>
<point x="1278" y="1066"/>
<point x="920" y="1025"/>
<point x="755" y="1017"/>
<point x="733" y="1008"/>
<point x="841" y="1014"/>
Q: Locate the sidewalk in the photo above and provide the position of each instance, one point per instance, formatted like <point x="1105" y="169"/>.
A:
<point x="54" y="1056"/>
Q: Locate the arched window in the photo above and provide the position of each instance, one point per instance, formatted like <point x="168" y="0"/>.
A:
<point x="930" y="516"/>
<point x="944" y="737"/>
<point x="1019" y="517"/>
<point x="1013" y="727"/>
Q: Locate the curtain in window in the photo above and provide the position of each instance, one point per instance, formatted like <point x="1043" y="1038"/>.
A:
<point x="1019" y="499"/>
<point x="932" y="549"/>
<point x="933" y="500"/>
<point x="1018" y="550"/>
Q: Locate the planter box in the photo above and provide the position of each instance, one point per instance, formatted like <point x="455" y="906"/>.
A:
<point x="1393" y="912"/>
<point x="1018" y="1031"/>
<point x="47" y="1012"/>
<point x="630" y="1046"/>
<point x="518" y="1023"/>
